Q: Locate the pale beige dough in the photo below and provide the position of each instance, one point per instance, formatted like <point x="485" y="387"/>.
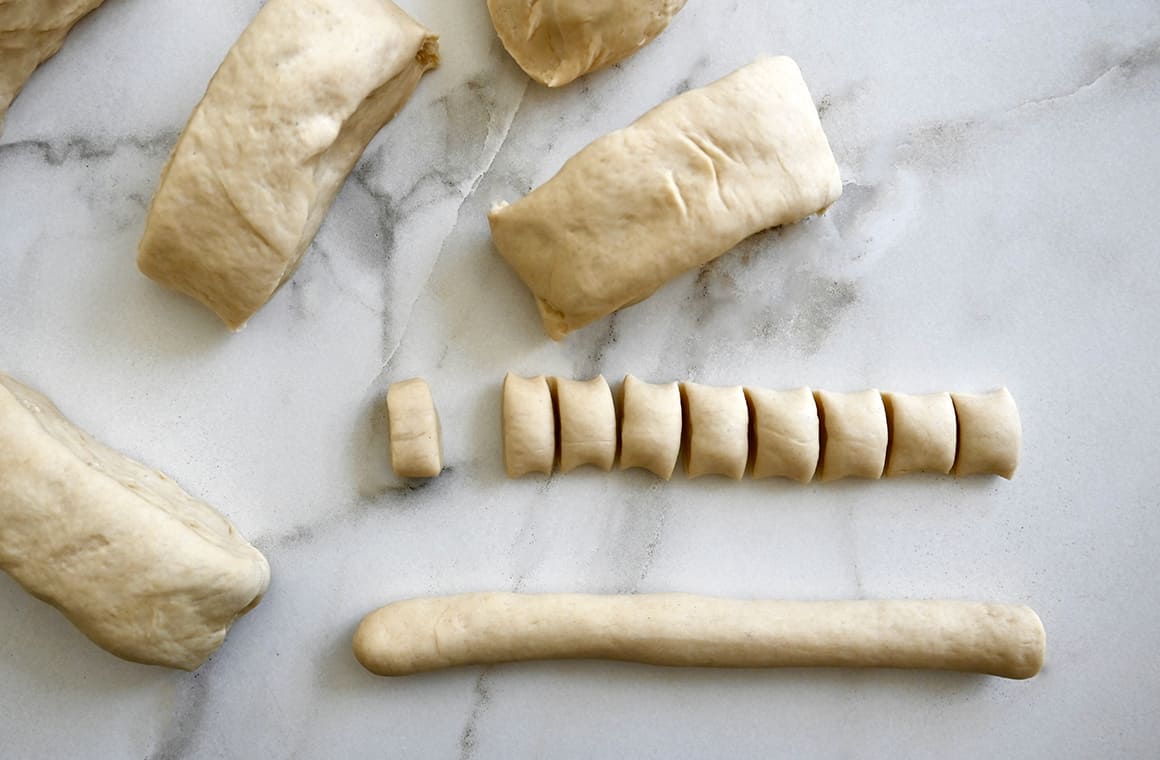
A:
<point x="716" y="430"/>
<point x="31" y="31"/>
<point x="679" y="187"/>
<point x="529" y="426"/>
<point x="990" y="434"/>
<point x="855" y="435"/>
<point x="556" y="41"/>
<point x="651" y="424"/>
<point x="284" y="120"/>
<point x="420" y="635"/>
<point x="416" y="438"/>
<point x="587" y="423"/>
<point x="138" y="565"/>
<point x="922" y="433"/>
<point x="785" y="433"/>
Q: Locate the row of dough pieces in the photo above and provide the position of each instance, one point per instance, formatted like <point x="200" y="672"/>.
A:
<point x="798" y="434"/>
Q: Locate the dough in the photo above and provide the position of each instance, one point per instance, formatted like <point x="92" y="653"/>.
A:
<point x="650" y="433"/>
<point x="679" y="187"/>
<point x="785" y="433"/>
<point x="587" y="423"/>
<point x="922" y="433"/>
<point x="529" y="425"/>
<point x="283" y="122"/>
<point x="854" y="435"/>
<point x="31" y="31"/>
<point x="139" y="566"/>
<point x="716" y="430"/>
<point x="556" y="41"/>
<point x="990" y="433"/>
<point x="416" y="440"/>
<point x="685" y="630"/>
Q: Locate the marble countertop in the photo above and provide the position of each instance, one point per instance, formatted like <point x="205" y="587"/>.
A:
<point x="999" y="226"/>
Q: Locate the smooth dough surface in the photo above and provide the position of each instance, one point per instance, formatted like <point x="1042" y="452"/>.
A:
<point x="990" y="433"/>
<point x="855" y="435"/>
<point x="923" y="433"/>
<point x="587" y="423"/>
<point x="556" y="41"/>
<point x="529" y="426"/>
<point x="679" y="187"/>
<point x="650" y="428"/>
<point x="416" y="438"/>
<point x="284" y="120"/>
<point x="138" y="565"/>
<point x="419" y="635"/>
<point x="716" y="430"/>
<point x="785" y="433"/>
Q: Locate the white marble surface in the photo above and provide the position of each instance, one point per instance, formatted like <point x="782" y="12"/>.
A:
<point x="1000" y="225"/>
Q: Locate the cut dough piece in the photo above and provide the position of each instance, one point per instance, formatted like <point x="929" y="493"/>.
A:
<point x="31" y="31"/>
<point x="419" y="635"/>
<point x="990" y="434"/>
<point x="785" y="433"/>
<point x="416" y="440"/>
<point x="716" y="430"/>
<point x="855" y="435"/>
<point x="922" y="433"/>
<point x="138" y="565"/>
<point x="587" y="423"/>
<point x="529" y="425"/>
<point x="556" y="41"/>
<point x="682" y="185"/>
<point x="283" y="122"/>
<point x="650" y="434"/>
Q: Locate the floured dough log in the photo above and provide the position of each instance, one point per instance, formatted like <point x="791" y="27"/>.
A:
<point x="922" y="433"/>
<point x="419" y="635"/>
<point x="529" y="426"/>
<point x="716" y="430"/>
<point x="295" y="102"/>
<point x="139" y="566"/>
<point x="556" y="41"/>
<point x="416" y="439"/>
<point x="679" y="187"/>
<point x="990" y="434"/>
<point x="651" y="424"/>
<point x="854" y="435"/>
<point x="587" y="423"/>
<point x="31" y="31"/>
<point x="785" y="433"/>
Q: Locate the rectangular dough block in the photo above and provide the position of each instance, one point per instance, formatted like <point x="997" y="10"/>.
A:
<point x="679" y="187"/>
<point x="138" y="565"/>
<point x="716" y="430"/>
<point x="416" y="438"/>
<point x="785" y="433"/>
<point x="855" y="435"/>
<point x="990" y="433"/>
<point x="284" y="120"/>
<point x="651" y="425"/>
<point x="922" y="433"/>
<point x="529" y="425"/>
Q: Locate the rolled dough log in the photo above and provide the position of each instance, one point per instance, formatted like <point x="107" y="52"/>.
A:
<point x="284" y="120"/>
<point x="785" y="433"/>
<point x="529" y="425"/>
<point x="679" y="187"/>
<point x="416" y="440"/>
<point x="922" y="433"/>
<point x="651" y="424"/>
<point x="556" y="41"/>
<point x="855" y="435"/>
<point x="716" y="430"/>
<point x="139" y="566"/>
<point x="587" y="423"/>
<point x="419" y="635"/>
<point x="990" y="434"/>
<point x="31" y="31"/>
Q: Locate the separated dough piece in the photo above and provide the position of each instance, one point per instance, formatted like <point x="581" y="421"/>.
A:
<point x="139" y="566"/>
<point x="587" y="423"/>
<point x="650" y="434"/>
<point x="855" y="435"/>
<point x="529" y="425"/>
<point x="679" y="187"/>
<point x="416" y="439"/>
<point x="922" y="433"/>
<point x="556" y="41"/>
<point x="283" y="122"/>
<point x="685" y="630"/>
<point x="716" y="430"/>
<point x="785" y="432"/>
<point x="31" y="31"/>
<point x="990" y="433"/>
